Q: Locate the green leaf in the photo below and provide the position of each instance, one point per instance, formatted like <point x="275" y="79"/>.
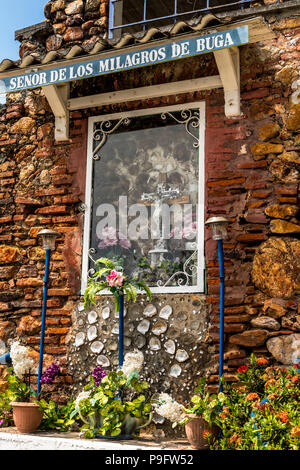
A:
<point x="115" y="432"/>
<point x="146" y="289"/>
<point x="107" y="262"/>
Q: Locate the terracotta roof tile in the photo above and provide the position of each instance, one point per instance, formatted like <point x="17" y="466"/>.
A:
<point x="127" y="39"/>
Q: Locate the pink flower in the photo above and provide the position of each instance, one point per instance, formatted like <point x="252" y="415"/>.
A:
<point x="109" y="237"/>
<point x="115" y="278"/>
<point x="124" y="242"/>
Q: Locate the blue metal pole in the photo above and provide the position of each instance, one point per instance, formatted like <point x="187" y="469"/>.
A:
<point x="5" y="359"/>
<point x="46" y="280"/>
<point x="222" y="297"/>
<point x="121" y="330"/>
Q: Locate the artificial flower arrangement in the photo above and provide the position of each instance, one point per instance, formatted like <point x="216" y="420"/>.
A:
<point x="20" y="388"/>
<point x="112" y="278"/>
<point x="114" y="404"/>
<point x="20" y="401"/>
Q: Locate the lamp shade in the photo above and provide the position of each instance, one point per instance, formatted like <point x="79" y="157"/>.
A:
<point x="218" y="226"/>
<point x="48" y="237"/>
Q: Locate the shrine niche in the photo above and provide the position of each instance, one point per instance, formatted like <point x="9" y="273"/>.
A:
<point x="145" y="197"/>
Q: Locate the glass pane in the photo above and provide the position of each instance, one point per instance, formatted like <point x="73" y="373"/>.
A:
<point x="145" y="194"/>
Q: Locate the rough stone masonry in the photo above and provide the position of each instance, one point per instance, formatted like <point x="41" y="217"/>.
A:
<point x="252" y="177"/>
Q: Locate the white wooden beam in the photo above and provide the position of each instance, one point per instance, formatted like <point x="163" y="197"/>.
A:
<point x="228" y="62"/>
<point x="154" y="91"/>
<point x="57" y="96"/>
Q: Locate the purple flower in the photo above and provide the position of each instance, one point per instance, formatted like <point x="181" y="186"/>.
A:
<point x="1" y="422"/>
<point x="50" y="374"/>
<point x="98" y="374"/>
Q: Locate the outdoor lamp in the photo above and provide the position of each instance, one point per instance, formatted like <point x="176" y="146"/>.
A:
<point x="218" y="226"/>
<point x="48" y="238"/>
<point x="219" y="233"/>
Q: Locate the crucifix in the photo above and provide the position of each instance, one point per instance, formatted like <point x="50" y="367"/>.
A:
<point x="158" y="230"/>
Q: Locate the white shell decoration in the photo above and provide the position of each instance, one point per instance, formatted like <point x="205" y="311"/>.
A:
<point x="154" y="344"/>
<point x="80" y="307"/>
<point x="181" y="355"/>
<point x="143" y="326"/>
<point x="115" y="330"/>
<point x="127" y="341"/>
<point x="92" y="317"/>
<point x="175" y="370"/>
<point x="170" y="346"/>
<point x="140" y="342"/>
<point x="160" y="327"/>
<point x="105" y="313"/>
<point x="150" y="310"/>
<point x="103" y="361"/>
<point x="96" y="347"/>
<point x="79" y="339"/>
<point x="92" y="333"/>
<point x="166" y="312"/>
<point x="80" y="322"/>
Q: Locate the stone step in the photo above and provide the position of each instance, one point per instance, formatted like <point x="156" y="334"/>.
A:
<point x="12" y="440"/>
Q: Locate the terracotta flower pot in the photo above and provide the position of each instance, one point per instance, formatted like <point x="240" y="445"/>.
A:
<point x="194" y="430"/>
<point x="27" y="416"/>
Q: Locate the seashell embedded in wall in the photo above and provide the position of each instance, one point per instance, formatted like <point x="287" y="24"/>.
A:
<point x="168" y="331"/>
<point x="92" y="333"/>
<point x="79" y="339"/>
<point x="143" y="326"/>
<point x="170" y="346"/>
<point x="96" y="347"/>
<point x="150" y="310"/>
<point x="140" y="341"/>
<point x="181" y="355"/>
<point x="165" y="312"/>
<point x="154" y="344"/>
<point x="105" y="313"/>
<point x="103" y="361"/>
<point x="92" y="317"/>
<point x="175" y="370"/>
<point x="160" y="327"/>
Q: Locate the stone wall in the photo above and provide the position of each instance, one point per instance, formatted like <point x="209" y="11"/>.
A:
<point x="252" y="177"/>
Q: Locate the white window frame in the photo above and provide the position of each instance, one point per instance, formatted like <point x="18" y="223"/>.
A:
<point x="200" y="287"/>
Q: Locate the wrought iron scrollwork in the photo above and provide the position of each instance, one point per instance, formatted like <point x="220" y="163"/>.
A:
<point x="100" y="134"/>
<point x="191" y="119"/>
<point x="183" y="277"/>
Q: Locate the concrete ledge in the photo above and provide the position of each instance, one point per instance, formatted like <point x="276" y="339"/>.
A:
<point x="10" y="439"/>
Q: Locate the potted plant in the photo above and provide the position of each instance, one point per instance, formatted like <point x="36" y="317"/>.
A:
<point x="199" y="419"/>
<point x="114" y="404"/>
<point x="27" y="413"/>
<point x="202" y="416"/>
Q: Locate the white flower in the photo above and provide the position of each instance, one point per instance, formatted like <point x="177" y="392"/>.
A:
<point x="21" y="361"/>
<point x="132" y="361"/>
<point x="81" y="396"/>
<point x="169" y="408"/>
